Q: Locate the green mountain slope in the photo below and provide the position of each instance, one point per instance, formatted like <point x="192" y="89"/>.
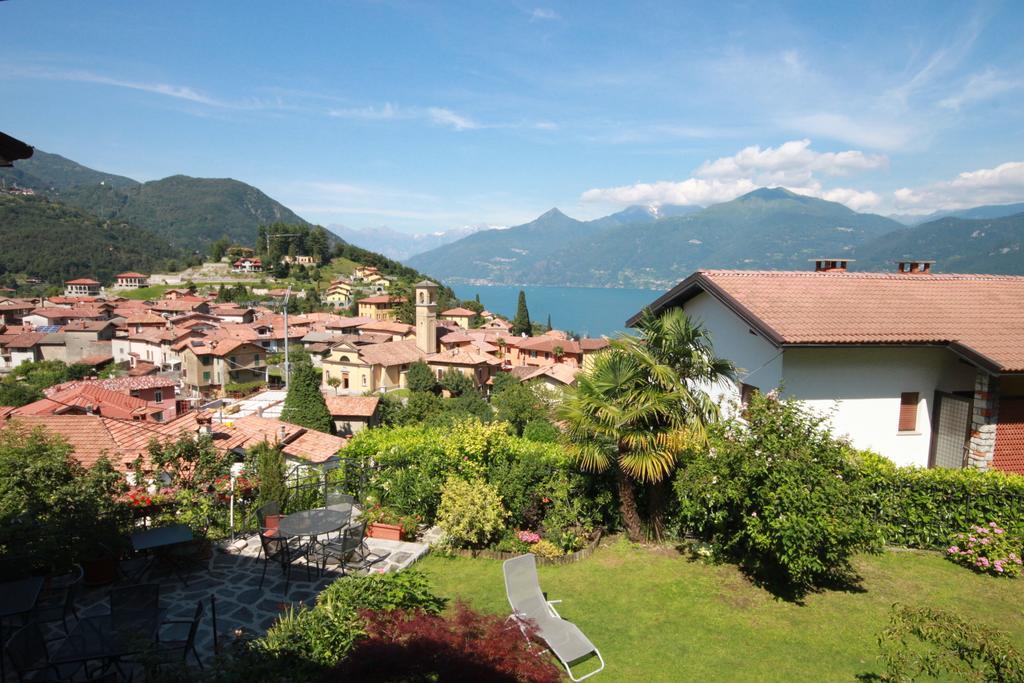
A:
<point x="190" y="213"/>
<point x="55" y="242"/>
<point x="958" y="245"/>
<point x="987" y="211"/>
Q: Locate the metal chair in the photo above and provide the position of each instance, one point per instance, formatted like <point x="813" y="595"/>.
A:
<point x="352" y="544"/>
<point x="167" y="649"/>
<point x="56" y="605"/>
<point x="279" y="549"/>
<point x="30" y="657"/>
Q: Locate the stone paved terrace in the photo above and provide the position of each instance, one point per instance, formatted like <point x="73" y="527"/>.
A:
<point x="232" y="575"/>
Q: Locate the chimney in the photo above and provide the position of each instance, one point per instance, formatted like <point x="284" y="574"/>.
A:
<point x="827" y="265"/>
<point x="914" y="267"/>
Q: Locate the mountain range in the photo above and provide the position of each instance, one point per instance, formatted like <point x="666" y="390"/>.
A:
<point x="769" y="228"/>
<point x="403" y="245"/>
<point x="189" y="213"/>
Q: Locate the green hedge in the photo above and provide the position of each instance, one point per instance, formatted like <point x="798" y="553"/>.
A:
<point x="923" y="508"/>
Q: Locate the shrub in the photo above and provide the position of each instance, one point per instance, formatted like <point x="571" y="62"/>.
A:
<point x="988" y="549"/>
<point x="420" y="378"/>
<point x="924" y="508"/>
<point x="468" y="646"/>
<point x="540" y="430"/>
<point x="778" y="495"/>
<point x="471" y="513"/>
<point x="325" y="634"/>
<point x="456" y="383"/>
<point x="270" y="468"/>
<point x="927" y="642"/>
<point x="545" y="548"/>
<point x="304" y="405"/>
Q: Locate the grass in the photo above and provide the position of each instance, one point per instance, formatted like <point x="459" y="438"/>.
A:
<point x="657" y="616"/>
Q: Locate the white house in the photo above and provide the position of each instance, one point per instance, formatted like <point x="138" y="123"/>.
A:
<point x="132" y="280"/>
<point x="247" y="265"/>
<point x="83" y="286"/>
<point x="926" y="369"/>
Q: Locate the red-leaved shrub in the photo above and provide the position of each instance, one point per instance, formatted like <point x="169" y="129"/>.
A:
<point x="466" y="646"/>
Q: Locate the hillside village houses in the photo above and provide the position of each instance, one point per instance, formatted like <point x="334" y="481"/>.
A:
<point x="247" y="265"/>
<point x="82" y="286"/>
<point x="131" y="280"/>
<point x="924" y="368"/>
<point x="380" y="307"/>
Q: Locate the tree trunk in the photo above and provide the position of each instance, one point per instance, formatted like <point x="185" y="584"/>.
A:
<point x="627" y="506"/>
<point x="656" y="502"/>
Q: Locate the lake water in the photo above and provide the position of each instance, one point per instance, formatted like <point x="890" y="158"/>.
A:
<point x="583" y="310"/>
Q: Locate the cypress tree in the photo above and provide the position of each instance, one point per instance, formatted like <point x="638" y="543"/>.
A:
<point x="305" y="405"/>
<point x="549" y="322"/>
<point x="521" y="324"/>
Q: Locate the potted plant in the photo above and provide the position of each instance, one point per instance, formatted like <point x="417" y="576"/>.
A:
<point x="390" y="525"/>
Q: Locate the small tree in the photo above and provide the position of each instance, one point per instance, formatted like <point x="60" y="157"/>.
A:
<point x="456" y="383"/>
<point x="270" y="469"/>
<point x="521" y="323"/>
<point x="421" y="378"/>
<point x="334" y="382"/>
<point x="518" y="405"/>
<point x="305" y="405"/>
<point x="191" y="463"/>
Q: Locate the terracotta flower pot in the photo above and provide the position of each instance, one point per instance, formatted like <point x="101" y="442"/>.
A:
<point x="386" y="532"/>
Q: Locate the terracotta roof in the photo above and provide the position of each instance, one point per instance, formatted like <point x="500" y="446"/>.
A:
<point x="25" y="340"/>
<point x="5" y="411"/>
<point x="144" y="317"/>
<point x="106" y="402"/>
<point x="142" y="368"/>
<point x="121" y="384"/>
<point x="82" y="281"/>
<point x="316" y="447"/>
<point x="299" y="442"/>
<point x="385" y="326"/>
<point x="339" y="323"/>
<point x="55" y="313"/>
<point x="391" y="353"/>
<point x="383" y="299"/>
<point x="95" y="359"/>
<point x="456" y="338"/>
<point x="1009" y="452"/>
<point x="593" y="344"/>
<point x="132" y="275"/>
<point x="460" y="312"/>
<point x="361" y="406"/>
<point x="87" y="325"/>
<point x="548" y="344"/>
<point x="558" y="371"/>
<point x="462" y="356"/>
<point x="978" y="316"/>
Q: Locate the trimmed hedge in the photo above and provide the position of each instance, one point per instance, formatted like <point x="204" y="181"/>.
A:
<point x="923" y="508"/>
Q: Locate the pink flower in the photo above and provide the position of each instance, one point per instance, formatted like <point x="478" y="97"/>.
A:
<point x="993" y="525"/>
<point x="953" y="550"/>
<point x="999" y="531"/>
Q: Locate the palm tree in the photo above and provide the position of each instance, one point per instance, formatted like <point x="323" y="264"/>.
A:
<point x="641" y="404"/>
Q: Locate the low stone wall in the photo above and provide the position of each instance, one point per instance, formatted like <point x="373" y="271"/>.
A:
<point x="580" y="554"/>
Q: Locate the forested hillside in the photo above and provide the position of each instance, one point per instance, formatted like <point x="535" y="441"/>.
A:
<point x="53" y="242"/>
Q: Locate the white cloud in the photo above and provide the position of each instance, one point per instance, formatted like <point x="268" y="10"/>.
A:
<point x="1003" y="184"/>
<point x="981" y="86"/>
<point x="543" y="14"/>
<point x="792" y="165"/>
<point x="447" y="117"/>
<point x="384" y="112"/>
<point x="879" y="133"/>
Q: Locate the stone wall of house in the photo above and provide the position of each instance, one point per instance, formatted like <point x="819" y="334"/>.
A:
<point x="982" y="444"/>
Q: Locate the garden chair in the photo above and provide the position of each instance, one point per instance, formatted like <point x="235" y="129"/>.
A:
<point x="168" y="650"/>
<point x="135" y="607"/>
<point x="30" y="657"/>
<point x="57" y="601"/>
<point x="530" y="607"/>
<point x="351" y="544"/>
<point x="279" y="549"/>
<point x="340" y="502"/>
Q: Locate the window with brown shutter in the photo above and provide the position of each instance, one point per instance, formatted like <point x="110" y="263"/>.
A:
<point x="747" y="392"/>
<point x="908" y="411"/>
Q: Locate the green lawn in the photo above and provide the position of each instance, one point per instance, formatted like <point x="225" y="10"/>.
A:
<point x="144" y="293"/>
<point x="656" y="616"/>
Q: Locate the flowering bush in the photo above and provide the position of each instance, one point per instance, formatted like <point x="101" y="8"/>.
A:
<point x="545" y="548"/>
<point x="140" y="496"/>
<point x="988" y="549"/>
<point x="528" y="536"/>
<point x="471" y="513"/>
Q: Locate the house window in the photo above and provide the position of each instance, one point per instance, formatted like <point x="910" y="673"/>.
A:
<point x="206" y="377"/>
<point x="908" y="411"/>
<point x="747" y="392"/>
<point x="158" y="396"/>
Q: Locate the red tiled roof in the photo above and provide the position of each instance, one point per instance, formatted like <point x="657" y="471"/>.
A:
<point x="361" y="406"/>
<point x="391" y="353"/>
<point x="548" y="344"/>
<point x="1009" y="452"/>
<point x="979" y="316"/>
<point x="593" y="344"/>
<point x="107" y="402"/>
<point x="25" y="340"/>
<point x="82" y="281"/>
<point x="383" y="299"/>
<point x="460" y="312"/>
<point x="120" y="275"/>
<point x="121" y="384"/>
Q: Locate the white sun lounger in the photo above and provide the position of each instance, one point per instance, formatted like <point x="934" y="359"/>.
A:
<point x="529" y="606"/>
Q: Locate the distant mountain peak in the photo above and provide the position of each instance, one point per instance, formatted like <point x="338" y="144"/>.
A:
<point x="553" y="212"/>
<point x="771" y="193"/>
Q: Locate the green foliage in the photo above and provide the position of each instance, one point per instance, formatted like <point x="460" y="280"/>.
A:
<point x="503" y="380"/>
<point x="219" y="248"/>
<point x="244" y="387"/>
<point x="52" y="510"/>
<point x="305" y="404"/>
<point x="779" y="495"/>
<point x="541" y="430"/>
<point x="191" y="463"/>
<point x="269" y="464"/>
<point x="545" y="548"/>
<point x="421" y="406"/>
<point x="470" y="513"/>
<point x="921" y="641"/>
<point x="389" y="410"/>
<point x="924" y="508"/>
<point x="325" y="634"/>
<point x="55" y="242"/>
<point x="521" y="323"/>
<point x="420" y="378"/>
<point x="456" y="383"/>
<point x="26" y="382"/>
<point x="517" y="404"/>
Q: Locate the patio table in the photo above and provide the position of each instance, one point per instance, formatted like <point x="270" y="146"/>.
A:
<point x="96" y="638"/>
<point x="16" y="597"/>
<point x="312" y="522"/>
<point x="159" y="540"/>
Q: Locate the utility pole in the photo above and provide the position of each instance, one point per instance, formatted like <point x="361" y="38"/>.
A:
<point x="287" y="368"/>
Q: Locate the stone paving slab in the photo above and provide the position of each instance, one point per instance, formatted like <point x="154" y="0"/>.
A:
<point x="231" y="577"/>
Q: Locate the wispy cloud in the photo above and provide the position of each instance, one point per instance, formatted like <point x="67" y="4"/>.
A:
<point x="981" y="86"/>
<point x="447" y="117"/>
<point x="543" y="14"/>
<point x="1002" y="184"/>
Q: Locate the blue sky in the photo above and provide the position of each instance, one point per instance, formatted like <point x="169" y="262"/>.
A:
<point x="429" y="116"/>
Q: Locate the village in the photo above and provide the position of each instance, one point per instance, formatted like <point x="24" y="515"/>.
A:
<point x="184" y="357"/>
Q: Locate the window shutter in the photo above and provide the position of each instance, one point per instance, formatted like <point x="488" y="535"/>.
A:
<point x="908" y="411"/>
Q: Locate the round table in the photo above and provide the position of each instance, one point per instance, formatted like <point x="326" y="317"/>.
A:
<point x="312" y="522"/>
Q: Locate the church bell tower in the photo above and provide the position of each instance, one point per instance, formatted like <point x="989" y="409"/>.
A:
<point x="426" y="316"/>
